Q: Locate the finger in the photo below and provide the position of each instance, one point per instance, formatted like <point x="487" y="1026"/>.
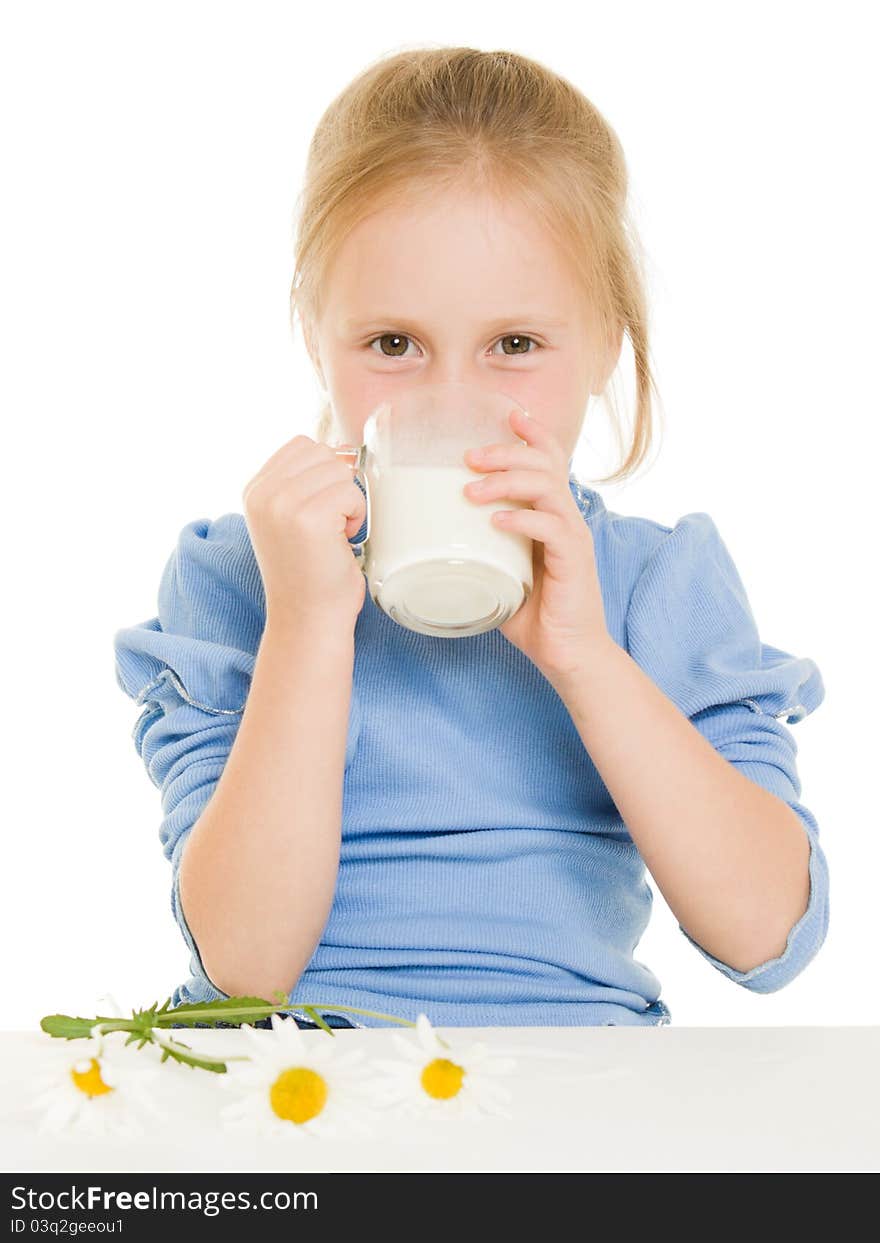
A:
<point x="495" y="456"/>
<point x="538" y="436"/>
<point x="299" y="485"/>
<point x="546" y="528"/>
<point x="535" y="433"/>
<point x="538" y="488"/>
<point x="343" y="502"/>
<point x="302" y="449"/>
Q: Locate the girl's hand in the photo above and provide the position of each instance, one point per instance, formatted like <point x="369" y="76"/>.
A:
<point x="563" y="621"/>
<point x="301" y="509"/>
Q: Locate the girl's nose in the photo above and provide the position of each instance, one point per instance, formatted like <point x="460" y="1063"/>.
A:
<point x="460" y="375"/>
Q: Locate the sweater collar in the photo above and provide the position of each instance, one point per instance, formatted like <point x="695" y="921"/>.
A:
<point x="589" y="502"/>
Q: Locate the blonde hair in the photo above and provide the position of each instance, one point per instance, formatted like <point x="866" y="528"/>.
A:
<point x="429" y="118"/>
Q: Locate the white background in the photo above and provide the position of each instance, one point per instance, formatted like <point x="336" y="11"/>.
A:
<point x="152" y="156"/>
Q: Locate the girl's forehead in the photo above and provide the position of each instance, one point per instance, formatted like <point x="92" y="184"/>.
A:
<point x="459" y="207"/>
<point x="398" y="257"/>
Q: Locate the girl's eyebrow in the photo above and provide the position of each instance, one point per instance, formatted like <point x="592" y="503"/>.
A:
<point x="546" y="321"/>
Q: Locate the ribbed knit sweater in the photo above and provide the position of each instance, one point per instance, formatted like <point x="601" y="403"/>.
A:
<point x="486" y="876"/>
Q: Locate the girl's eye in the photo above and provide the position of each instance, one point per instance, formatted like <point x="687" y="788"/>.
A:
<point x="399" y="351"/>
<point x="394" y="337"/>
<point x="519" y="341"/>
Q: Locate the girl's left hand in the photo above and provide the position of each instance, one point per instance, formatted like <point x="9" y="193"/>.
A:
<point x="563" y="621"/>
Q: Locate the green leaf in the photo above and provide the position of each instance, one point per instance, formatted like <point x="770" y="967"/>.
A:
<point x="67" y="1027"/>
<point x="236" y="1010"/>
<point x="183" y="1053"/>
<point x="316" y="1018"/>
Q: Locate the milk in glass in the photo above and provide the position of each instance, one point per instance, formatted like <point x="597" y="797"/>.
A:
<point x="435" y="561"/>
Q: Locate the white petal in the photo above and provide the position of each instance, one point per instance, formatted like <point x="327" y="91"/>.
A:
<point x="259" y="1037"/>
<point x="410" y="1050"/>
<point x="113" y="1008"/>
<point x="354" y="1057"/>
<point x="499" y="1066"/>
<point x="62" y="1112"/>
<point x="485" y="1091"/>
<point x="426" y="1034"/>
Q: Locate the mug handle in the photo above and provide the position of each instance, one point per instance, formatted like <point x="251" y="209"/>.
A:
<point x="357" y="453"/>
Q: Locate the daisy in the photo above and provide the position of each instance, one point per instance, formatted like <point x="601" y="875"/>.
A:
<point x="431" y="1080"/>
<point x="296" y="1082"/>
<point x="95" y="1086"/>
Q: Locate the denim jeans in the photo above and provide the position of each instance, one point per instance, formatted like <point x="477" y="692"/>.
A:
<point x="332" y="1020"/>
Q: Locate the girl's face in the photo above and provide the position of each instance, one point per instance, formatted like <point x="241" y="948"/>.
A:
<point x="456" y="287"/>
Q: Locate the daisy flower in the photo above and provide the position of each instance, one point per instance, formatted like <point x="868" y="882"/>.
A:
<point x="296" y="1082"/>
<point x="431" y="1080"/>
<point x="96" y="1086"/>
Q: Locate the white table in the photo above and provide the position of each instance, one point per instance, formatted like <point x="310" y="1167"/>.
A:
<point x="659" y="1099"/>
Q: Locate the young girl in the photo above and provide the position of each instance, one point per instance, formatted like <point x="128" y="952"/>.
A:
<point x="362" y="816"/>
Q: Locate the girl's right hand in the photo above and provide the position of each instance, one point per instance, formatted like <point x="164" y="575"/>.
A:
<point x="301" y="509"/>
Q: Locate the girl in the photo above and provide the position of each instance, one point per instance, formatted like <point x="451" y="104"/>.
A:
<point x="362" y="816"/>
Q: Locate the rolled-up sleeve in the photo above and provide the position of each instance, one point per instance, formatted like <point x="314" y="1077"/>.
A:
<point x="690" y="626"/>
<point x="190" y="669"/>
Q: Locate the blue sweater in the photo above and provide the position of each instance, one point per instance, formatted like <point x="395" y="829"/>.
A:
<point x="486" y="876"/>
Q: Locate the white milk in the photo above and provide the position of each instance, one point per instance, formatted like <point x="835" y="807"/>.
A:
<point x="434" y="560"/>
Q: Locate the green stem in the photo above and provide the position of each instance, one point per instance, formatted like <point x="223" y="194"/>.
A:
<point x="175" y="1046"/>
<point x="248" y="1010"/>
<point x="371" y="1013"/>
<point x="166" y="1018"/>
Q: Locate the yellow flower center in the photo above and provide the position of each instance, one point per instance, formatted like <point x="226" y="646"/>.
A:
<point x="90" y="1081"/>
<point x="442" y="1078"/>
<point x="298" y="1094"/>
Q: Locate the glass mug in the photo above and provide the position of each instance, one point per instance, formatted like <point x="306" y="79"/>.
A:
<point x="433" y="559"/>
